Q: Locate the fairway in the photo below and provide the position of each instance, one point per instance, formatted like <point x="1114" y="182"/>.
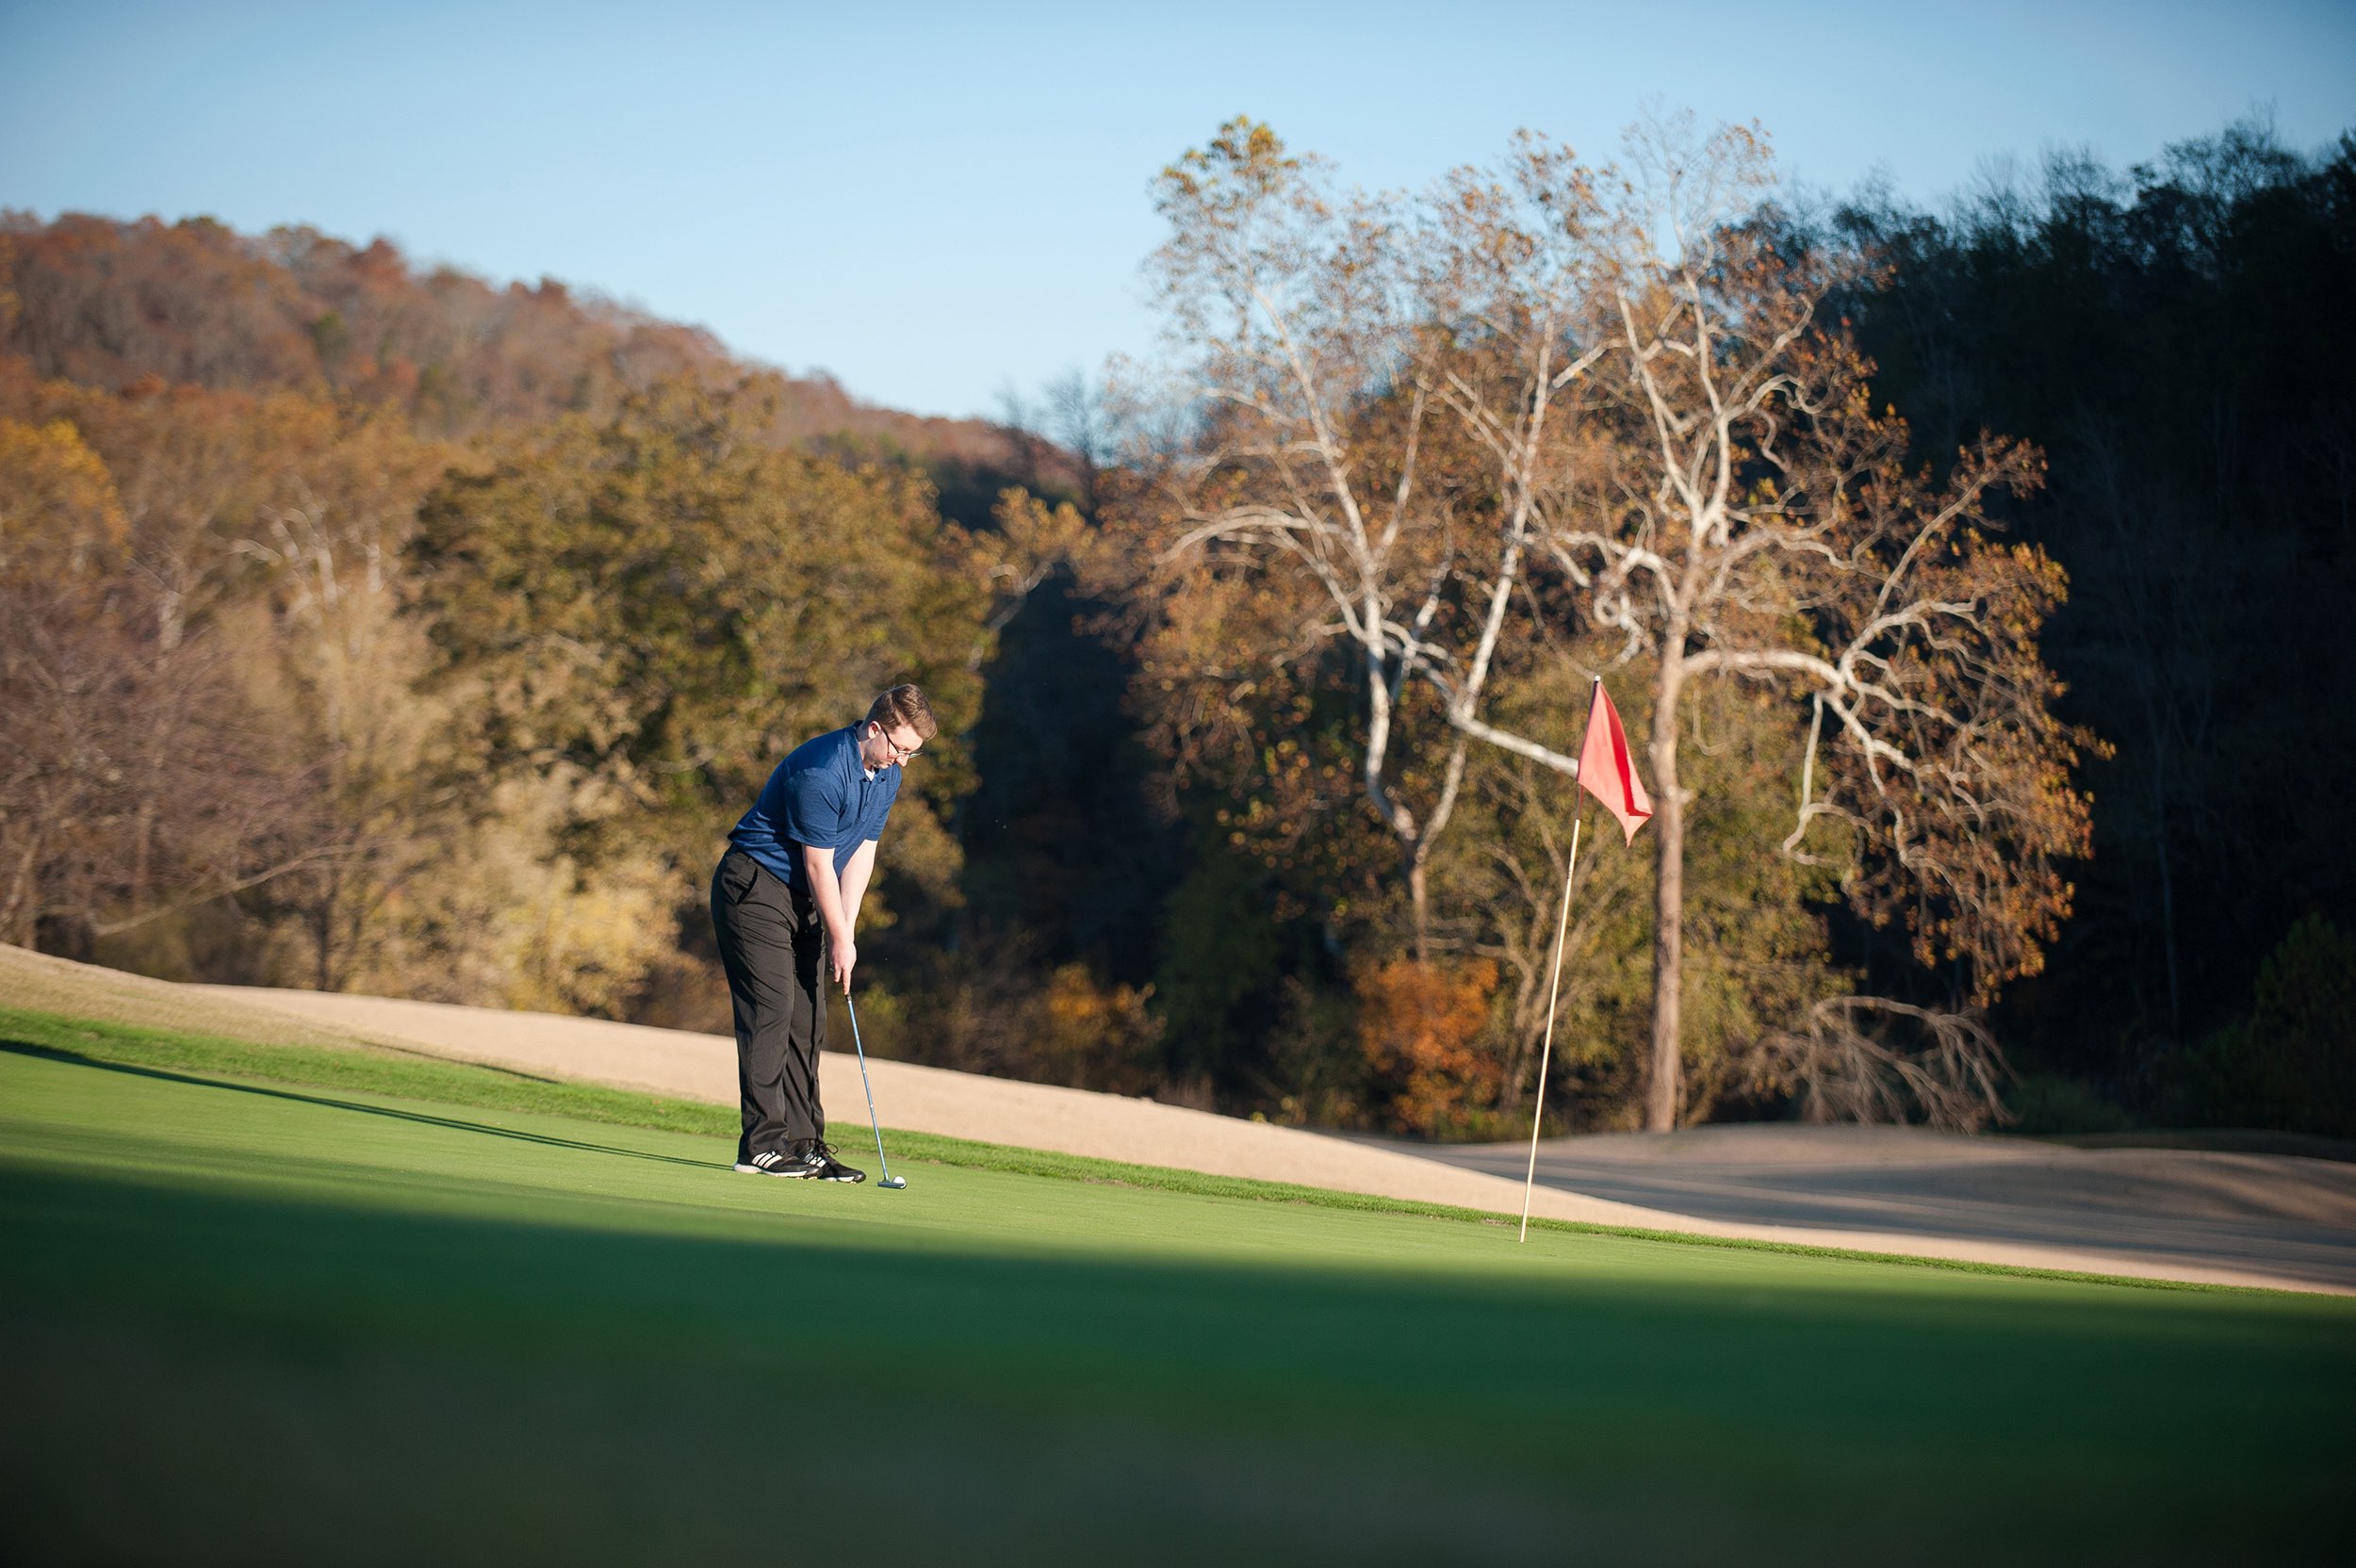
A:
<point x="260" y="1320"/>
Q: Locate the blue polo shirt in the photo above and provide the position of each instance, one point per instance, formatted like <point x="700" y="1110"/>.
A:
<point x="819" y="795"/>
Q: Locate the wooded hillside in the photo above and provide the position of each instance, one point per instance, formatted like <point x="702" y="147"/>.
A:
<point x="110" y="304"/>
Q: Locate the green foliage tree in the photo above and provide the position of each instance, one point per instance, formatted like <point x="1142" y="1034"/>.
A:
<point x="2292" y="1063"/>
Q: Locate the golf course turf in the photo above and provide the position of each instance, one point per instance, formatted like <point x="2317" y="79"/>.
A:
<point x="269" y="1303"/>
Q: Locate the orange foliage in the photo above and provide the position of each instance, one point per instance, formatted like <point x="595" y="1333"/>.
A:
<point x="1420" y="1026"/>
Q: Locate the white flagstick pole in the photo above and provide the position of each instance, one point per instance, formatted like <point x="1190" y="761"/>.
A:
<point x="1538" y="1107"/>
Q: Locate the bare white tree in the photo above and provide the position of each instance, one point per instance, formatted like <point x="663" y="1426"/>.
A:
<point x="1757" y="518"/>
<point x="1378" y="388"/>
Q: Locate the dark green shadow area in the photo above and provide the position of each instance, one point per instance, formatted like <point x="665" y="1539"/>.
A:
<point x="246" y="1327"/>
<point x="203" y="1352"/>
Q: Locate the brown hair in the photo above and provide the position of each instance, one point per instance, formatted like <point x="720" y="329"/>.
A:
<point x="904" y="705"/>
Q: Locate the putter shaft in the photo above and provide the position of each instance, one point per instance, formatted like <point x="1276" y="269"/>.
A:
<point x="873" y="1125"/>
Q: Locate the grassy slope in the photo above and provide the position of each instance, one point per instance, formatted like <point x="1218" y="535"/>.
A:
<point x="418" y="1076"/>
<point x="267" y="1316"/>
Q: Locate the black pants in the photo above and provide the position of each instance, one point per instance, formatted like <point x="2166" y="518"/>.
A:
<point x="773" y="946"/>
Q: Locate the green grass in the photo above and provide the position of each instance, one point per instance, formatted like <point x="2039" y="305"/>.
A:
<point x="252" y="1312"/>
<point x="417" y="1076"/>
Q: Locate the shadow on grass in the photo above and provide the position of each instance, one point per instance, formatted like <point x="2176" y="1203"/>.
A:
<point x="75" y="1059"/>
<point x="569" y="1393"/>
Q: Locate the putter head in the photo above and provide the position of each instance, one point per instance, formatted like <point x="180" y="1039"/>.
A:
<point x="894" y="1183"/>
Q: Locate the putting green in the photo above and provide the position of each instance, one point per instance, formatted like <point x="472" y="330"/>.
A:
<point x="256" y="1320"/>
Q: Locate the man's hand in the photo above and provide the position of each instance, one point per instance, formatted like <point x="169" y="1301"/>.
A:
<point x="842" y="957"/>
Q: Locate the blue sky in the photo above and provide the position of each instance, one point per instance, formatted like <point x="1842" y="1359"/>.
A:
<point x="933" y="202"/>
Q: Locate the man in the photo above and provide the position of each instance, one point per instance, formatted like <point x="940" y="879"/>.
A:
<point x="785" y="899"/>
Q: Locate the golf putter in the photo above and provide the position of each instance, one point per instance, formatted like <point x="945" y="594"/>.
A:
<point x="894" y="1183"/>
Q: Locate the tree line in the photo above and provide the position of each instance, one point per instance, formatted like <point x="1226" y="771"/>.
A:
<point x="2169" y="336"/>
<point x="394" y="632"/>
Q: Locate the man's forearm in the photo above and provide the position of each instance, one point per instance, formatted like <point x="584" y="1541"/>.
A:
<point x="818" y="866"/>
<point x="855" y="877"/>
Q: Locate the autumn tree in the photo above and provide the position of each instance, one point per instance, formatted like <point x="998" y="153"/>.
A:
<point x="1425" y="435"/>
<point x="322" y="542"/>
<point x="61" y="534"/>
<point x="1758" y="518"/>
<point x="138" y="779"/>
<point x="1355" y="494"/>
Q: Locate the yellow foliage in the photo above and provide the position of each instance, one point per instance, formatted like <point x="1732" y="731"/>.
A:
<point x="583" y="943"/>
<point x="59" y="514"/>
<point x="491" y="914"/>
<point x="1032" y="540"/>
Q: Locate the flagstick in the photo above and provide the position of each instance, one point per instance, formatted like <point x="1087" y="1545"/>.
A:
<point x="1538" y="1108"/>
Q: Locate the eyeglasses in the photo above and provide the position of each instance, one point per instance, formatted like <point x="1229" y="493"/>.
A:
<point x="900" y="754"/>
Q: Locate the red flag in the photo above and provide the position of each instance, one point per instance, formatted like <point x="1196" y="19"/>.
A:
<point x="1607" y="769"/>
